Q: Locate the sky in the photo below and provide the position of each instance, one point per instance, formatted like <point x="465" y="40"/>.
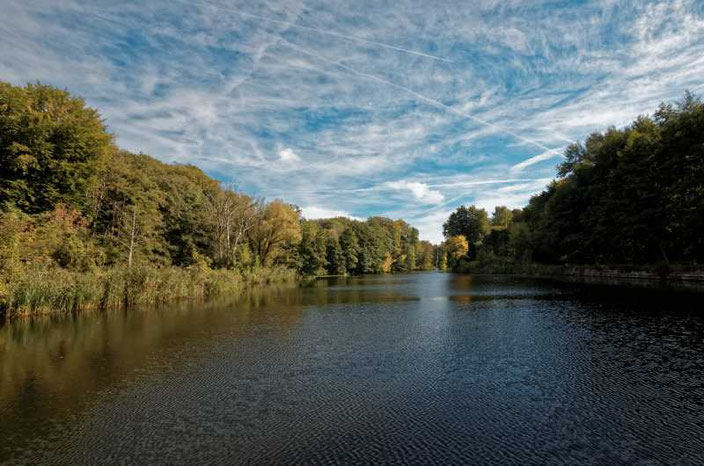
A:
<point x="404" y="108"/>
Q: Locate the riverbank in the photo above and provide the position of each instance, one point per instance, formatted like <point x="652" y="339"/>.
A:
<point x="31" y="292"/>
<point x="662" y="272"/>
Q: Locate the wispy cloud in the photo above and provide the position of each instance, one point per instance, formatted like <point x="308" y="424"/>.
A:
<point x="324" y="32"/>
<point x="405" y="109"/>
<point x="534" y="160"/>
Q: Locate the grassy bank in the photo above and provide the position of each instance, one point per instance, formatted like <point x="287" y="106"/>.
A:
<point x="55" y="290"/>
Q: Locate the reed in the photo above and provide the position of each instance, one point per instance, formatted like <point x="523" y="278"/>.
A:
<point x="36" y="291"/>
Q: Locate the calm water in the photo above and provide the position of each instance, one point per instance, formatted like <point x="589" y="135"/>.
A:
<point x="423" y="368"/>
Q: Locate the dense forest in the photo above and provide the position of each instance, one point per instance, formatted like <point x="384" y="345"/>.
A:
<point x="625" y="196"/>
<point x="84" y="224"/>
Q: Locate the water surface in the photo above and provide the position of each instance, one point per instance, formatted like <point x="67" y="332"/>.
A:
<point x="419" y="368"/>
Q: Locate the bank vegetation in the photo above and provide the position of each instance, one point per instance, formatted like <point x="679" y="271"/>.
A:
<point x="624" y="199"/>
<point x="86" y="225"/>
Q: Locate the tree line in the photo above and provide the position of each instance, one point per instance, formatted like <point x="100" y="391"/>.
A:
<point x="633" y="195"/>
<point x="71" y="200"/>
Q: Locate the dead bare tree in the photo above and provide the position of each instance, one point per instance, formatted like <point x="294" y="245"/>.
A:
<point x="234" y="214"/>
<point x="125" y="230"/>
<point x="221" y="210"/>
<point x="133" y="236"/>
<point x="245" y="218"/>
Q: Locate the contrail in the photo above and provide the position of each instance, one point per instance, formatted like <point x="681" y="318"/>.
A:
<point x="469" y="183"/>
<point x="425" y="99"/>
<point x="324" y="32"/>
<point x="381" y="187"/>
<point x="483" y="182"/>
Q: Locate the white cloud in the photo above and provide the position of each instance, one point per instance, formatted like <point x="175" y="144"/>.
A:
<point x="313" y="212"/>
<point x="420" y="191"/>
<point x="288" y="156"/>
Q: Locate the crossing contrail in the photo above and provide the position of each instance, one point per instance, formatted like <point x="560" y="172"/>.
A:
<point x="425" y="99"/>
<point x="324" y="32"/>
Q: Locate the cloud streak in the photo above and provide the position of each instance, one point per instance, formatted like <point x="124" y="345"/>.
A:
<point x="534" y="160"/>
<point x="327" y="104"/>
<point x="324" y="32"/>
<point x="425" y="99"/>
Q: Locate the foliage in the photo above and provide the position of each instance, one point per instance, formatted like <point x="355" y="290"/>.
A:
<point x="50" y="146"/>
<point x="425" y="256"/>
<point x="342" y="246"/>
<point x="470" y="222"/>
<point x="456" y="248"/>
<point x="277" y="224"/>
<point x="313" y="249"/>
<point x="501" y="218"/>
<point x="631" y="195"/>
<point x="85" y="225"/>
<point x="624" y="196"/>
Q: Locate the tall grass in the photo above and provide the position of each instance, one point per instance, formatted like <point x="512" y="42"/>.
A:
<point x="54" y="290"/>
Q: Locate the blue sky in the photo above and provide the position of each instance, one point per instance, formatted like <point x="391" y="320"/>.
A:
<point x="400" y="108"/>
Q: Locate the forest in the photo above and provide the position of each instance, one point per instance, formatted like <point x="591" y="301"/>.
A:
<point x="630" y="196"/>
<point x="84" y="224"/>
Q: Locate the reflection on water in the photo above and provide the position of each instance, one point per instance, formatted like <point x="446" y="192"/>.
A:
<point x="51" y="367"/>
<point x="409" y="368"/>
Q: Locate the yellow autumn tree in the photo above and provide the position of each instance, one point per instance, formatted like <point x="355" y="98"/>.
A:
<point x="278" y="223"/>
<point x="457" y="248"/>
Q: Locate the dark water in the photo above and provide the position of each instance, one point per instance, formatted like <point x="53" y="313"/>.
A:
<point x="424" y="368"/>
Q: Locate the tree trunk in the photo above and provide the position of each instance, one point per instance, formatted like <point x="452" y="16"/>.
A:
<point x="133" y="234"/>
<point x="662" y="251"/>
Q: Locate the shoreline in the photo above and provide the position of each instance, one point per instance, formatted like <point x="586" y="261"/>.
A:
<point x="660" y="274"/>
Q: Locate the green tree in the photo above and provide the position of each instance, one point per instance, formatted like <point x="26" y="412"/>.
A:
<point x="335" y="257"/>
<point x="470" y="222"/>
<point x="277" y="224"/>
<point x="350" y="249"/>
<point x="51" y="145"/>
<point x="126" y="210"/>
<point x="410" y="258"/>
<point x="501" y="218"/>
<point x="312" y="249"/>
<point x="188" y="226"/>
<point x="443" y="262"/>
<point x="425" y="257"/>
<point x="630" y="195"/>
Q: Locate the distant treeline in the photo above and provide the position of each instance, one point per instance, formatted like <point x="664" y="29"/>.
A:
<point x="624" y="196"/>
<point x="72" y="205"/>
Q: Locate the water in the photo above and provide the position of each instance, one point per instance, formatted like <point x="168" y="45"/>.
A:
<point x="421" y="368"/>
